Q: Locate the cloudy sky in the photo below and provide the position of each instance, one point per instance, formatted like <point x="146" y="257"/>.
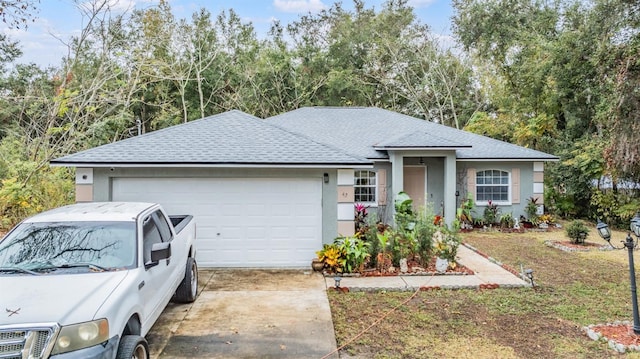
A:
<point x="57" y="20"/>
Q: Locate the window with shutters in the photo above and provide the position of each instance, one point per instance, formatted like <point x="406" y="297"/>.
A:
<point x="365" y="186"/>
<point x="494" y="186"/>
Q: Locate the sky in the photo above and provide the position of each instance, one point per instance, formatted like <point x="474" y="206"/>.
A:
<point x="57" y="20"/>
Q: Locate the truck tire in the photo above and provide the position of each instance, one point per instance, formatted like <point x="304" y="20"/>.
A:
<point x="133" y="347"/>
<point x="188" y="288"/>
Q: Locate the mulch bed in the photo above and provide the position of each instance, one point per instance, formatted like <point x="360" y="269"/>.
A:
<point x="620" y="336"/>
<point x="414" y="269"/>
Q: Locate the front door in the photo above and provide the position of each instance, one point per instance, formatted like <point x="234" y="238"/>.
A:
<point x="415" y="184"/>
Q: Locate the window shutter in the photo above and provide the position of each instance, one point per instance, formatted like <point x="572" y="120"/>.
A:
<point x="382" y="187"/>
<point x="471" y="182"/>
<point x="515" y="185"/>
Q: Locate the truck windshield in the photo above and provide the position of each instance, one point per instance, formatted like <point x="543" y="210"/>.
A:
<point x="51" y="246"/>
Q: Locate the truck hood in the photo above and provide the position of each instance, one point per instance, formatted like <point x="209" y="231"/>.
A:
<point x="58" y="298"/>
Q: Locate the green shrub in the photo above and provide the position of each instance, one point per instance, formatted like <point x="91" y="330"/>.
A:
<point x="464" y="213"/>
<point x="371" y="236"/>
<point x="532" y="208"/>
<point x="355" y="251"/>
<point x="405" y="217"/>
<point x="577" y="231"/>
<point x="28" y="185"/>
<point x="333" y="257"/>
<point x="614" y="208"/>
<point x="491" y="213"/>
<point x="425" y="228"/>
<point x="507" y="221"/>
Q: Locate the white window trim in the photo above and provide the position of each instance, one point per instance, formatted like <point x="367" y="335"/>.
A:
<point x="375" y="187"/>
<point x="500" y="203"/>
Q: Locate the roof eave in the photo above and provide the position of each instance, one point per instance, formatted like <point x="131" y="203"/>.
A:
<point x="209" y="165"/>
<point x="420" y="148"/>
<point x="517" y="159"/>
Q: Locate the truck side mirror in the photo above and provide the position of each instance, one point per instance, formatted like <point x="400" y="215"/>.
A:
<point x="160" y="251"/>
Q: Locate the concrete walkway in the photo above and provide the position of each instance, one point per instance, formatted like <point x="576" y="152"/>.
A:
<point x="488" y="274"/>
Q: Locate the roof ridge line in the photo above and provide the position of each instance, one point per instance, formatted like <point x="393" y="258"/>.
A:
<point x="266" y="120"/>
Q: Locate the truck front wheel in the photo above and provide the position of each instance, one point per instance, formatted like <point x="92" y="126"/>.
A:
<point x="188" y="288"/>
<point x="133" y="347"/>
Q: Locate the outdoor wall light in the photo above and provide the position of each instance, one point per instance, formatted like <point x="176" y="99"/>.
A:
<point x="630" y="245"/>
<point x="325" y="177"/>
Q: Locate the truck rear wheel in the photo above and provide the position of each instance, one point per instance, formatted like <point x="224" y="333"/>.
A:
<point x="133" y="347"/>
<point x="188" y="288"/>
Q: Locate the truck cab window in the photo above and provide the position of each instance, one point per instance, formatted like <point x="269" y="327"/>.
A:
<point x="163" y="226"/>
<point x="151" y="235"/>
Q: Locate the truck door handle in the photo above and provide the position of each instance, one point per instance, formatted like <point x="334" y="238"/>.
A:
<point x="140" y="285"/>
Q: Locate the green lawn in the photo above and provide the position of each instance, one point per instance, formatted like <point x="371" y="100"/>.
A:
<point x="574" y="290"/>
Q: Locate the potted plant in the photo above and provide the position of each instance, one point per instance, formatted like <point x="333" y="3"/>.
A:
<point x="317" y="265"/>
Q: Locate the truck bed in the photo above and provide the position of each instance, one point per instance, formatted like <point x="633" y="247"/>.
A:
<point x="180" y="221"/>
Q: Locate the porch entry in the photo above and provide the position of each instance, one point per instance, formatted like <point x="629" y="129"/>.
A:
<point x="415" y="184"/>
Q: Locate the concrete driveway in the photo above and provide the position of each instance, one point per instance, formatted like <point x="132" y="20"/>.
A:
<point x="248" y="314"/>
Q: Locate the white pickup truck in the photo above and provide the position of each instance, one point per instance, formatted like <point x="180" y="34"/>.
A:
<point x="89" y="280"/>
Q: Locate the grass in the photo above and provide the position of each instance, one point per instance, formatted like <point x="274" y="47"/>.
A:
<point x="573" y="290"/>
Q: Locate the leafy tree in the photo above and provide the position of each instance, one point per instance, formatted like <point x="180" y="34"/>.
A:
<point x="561" y="75"/>
<point x="18" y="13"/>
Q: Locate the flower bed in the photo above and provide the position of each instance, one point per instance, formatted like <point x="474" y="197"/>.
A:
<point x="413" y="270"/>
<point x="619" y="335"/>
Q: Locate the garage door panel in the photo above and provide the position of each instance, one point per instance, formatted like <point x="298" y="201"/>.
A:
<point x="304" y="233"/>
<point x="240" y="222"/>
<point x="257" y="233"/>
<point x="255" y="210"/>
<point x="232" y="234"/>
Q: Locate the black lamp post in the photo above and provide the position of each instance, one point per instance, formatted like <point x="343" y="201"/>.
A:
<point x="629" y="244"/>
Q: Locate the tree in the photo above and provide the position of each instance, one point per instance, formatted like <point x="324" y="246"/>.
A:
<point x="619" y="110"/>
<point x="18" y="13"/>
<point x="382" y="58"/>
<point x="563" y="75"/>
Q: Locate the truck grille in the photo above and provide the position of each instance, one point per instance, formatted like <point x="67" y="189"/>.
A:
<point x="27" y="342"/>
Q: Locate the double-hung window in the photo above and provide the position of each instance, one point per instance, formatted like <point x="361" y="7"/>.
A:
<point x="365" y="186"/>
<point x="494" y="186"/>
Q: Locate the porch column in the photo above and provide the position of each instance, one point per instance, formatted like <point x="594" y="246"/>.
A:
<point x="397" y="176"/>
<point x="450" y="188"/>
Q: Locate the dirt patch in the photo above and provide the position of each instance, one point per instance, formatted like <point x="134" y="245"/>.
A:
<point x="259" y="279"/>
<point x="438" y="324"/>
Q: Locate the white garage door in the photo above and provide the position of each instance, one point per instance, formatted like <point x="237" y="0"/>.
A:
<point x="241" y="222"/>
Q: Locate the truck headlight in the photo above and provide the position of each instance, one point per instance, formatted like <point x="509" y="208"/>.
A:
<point x="81" y="335"/>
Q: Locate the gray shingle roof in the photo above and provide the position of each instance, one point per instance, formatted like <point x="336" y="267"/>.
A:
<point x="359" y="131"/>
<point x="232" y="137"/>
<point x="420" y="139"/>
